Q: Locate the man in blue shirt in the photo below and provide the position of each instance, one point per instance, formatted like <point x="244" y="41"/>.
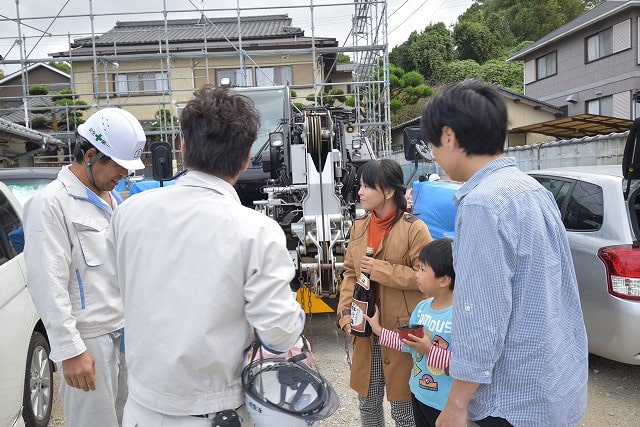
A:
<point x="521" y="348"/>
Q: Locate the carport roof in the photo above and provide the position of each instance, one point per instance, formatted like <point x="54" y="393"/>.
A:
<point x="578" y="126"/>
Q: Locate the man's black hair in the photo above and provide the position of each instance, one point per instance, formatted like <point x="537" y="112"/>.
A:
<point x="474" y="110"/>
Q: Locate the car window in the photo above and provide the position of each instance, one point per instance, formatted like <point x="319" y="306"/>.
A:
<point x="558" y="187"/>
<point x="23" y="189"/>
<point x="12" y="236"/>
<point x="584" y="208"/>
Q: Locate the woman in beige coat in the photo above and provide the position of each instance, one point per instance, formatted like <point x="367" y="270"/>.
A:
<point x="397" y="238"/>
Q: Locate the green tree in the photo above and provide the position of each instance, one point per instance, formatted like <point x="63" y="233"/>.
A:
<point x="401" y="55"/>
<point x="426" y="52"/>
<point x="431" y="50"/>
<point x="38" y="90"/>
<point x="343" y="59"/>
<point x="62" y="66"/>
<point x="533" y="19"/>
<point x="487" y="33"/>
<point x="506" y="74"/>
<point x="164" y="121"/>
<point x="334" y="95"/>
<point x="408" y="91"/>
<point x="59" y="112"/>
<point x="406" y="88"/>
<point x="476" y="41"/>
<point x="456" y="71"/>
<point x="69" y="112"/>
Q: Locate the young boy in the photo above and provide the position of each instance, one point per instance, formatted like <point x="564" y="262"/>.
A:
<point x="430" y="381"/>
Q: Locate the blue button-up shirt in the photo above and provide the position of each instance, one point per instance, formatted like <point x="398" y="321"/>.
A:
<point x="519" y="330"/>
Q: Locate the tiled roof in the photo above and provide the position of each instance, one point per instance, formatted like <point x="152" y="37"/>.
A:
<point x="346" y="67"/>
<point x="598" y="13"/>
<point x="189" y="34"/>
<point x="9" y="128"/>
<point x="180" y="30"/>
<point x="16" y="114"/>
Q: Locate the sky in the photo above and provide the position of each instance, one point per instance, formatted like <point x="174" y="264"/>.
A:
<point x="48" y="25"/>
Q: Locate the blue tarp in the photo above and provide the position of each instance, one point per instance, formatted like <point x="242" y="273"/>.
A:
<point x="433" y="203"/>
<point x="140" y="186"/>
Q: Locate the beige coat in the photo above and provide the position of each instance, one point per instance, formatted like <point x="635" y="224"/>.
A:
<point x="394" y="272"/>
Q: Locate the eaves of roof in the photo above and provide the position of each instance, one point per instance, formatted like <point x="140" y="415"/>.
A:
<point x="411" y="122"/>
<point x="517" y="97"/>
<point x="10" y="128"/>
<point x="578" y="126"/>
<point x="597" y="14"/>
<point x="198" y="46"/>
<point x="18" y="74"/>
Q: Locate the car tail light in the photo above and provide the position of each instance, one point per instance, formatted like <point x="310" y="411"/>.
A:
<point x="622" y="263"/>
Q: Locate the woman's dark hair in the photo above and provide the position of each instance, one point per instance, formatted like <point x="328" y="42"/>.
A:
<point x="438" y="254"/>
<point x="219" y="127"/>
<point x="474" y="110"/>
<point x="386" y="174"/>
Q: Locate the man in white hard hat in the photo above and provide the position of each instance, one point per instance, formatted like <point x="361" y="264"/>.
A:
<point x="77" y="297"/>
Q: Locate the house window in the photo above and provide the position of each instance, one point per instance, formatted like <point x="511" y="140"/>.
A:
<point x="546" y="65"/>
<point x="274" y="76"/>
<point x="602" y="106"/>
<point x="600" y="45"/>
<point x="235" y="76"/>
<point x="141" y="83"/>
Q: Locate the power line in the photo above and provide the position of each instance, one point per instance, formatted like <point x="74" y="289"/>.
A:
<point x="401" y="6"/>
<point x="412" y="13"/>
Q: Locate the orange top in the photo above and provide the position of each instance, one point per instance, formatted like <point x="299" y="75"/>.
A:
<point x="378" y="227"/>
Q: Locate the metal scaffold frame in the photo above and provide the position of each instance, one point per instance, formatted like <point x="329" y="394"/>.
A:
<point x="368" y="49"/>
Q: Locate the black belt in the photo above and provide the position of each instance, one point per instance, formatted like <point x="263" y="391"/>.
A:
<point x="228" y="417"/>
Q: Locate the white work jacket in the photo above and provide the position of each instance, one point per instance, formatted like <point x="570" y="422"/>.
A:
<point x="198" y="272"/>
<point x="65" y="227"/>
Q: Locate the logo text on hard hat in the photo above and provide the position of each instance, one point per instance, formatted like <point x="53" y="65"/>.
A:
<point x="98" y="137"/>
<point x="138" y="153"/>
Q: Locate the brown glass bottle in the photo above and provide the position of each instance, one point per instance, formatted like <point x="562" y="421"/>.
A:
<point x="364" y="301"/>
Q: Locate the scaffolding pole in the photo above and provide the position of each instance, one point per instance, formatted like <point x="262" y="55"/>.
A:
<point x="369" y="47"/>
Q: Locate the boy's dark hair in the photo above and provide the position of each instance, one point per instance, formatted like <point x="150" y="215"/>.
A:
<point x="438" y="254"/>
<point x="387" y="175"/>
<point x="219" y="127"/>
<point x="474" y="110"/>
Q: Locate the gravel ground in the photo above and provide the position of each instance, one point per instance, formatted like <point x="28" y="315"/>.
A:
<point x="614" y="388"/>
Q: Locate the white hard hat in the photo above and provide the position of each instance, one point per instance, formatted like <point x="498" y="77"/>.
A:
<point x="281" y="391"/>
<point x="117" y="134"/>
<point x="434" y="177"/>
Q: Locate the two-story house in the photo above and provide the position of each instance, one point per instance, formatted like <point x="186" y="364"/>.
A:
<point x="590" y="65"/>
<point x="148" y="66"/>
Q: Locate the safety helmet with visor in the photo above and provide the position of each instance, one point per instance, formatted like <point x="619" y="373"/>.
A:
<point x="287" y="391"/>
<point x="117" y="134"/>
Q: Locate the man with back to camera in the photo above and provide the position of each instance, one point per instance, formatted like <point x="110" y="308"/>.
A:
<point x="65" y="247"/>
<point x="521" y="349"/>
<point x="199" y="273"/>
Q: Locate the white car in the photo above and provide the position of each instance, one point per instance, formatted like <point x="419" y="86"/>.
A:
<point x="603" y="230"/>
<point x="26" y="373"/>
